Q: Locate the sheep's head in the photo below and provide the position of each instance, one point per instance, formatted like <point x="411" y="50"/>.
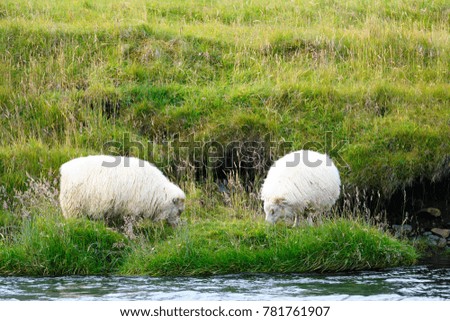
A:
<point x="275" y="209"/>
<point x="176" y="208"/>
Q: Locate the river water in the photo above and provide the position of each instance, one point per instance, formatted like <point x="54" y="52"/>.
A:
<point x="421" y="282"/>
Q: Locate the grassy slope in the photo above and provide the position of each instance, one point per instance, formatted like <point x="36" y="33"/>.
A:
<point x="76" y="74"/>
<point x="372" y="73"/>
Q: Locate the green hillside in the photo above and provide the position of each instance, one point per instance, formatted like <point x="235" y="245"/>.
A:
<point x="209" y="90"/>
<point x="366" y="81"/>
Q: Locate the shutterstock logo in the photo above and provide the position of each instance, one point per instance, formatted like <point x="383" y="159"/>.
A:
<point x="192" y="153"/>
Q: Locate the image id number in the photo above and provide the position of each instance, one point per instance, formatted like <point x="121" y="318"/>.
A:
<point x="286" y="311"/>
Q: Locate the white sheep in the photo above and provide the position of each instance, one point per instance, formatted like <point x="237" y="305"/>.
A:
<point x="120" y="190"/>
<point x="301" y="183"/>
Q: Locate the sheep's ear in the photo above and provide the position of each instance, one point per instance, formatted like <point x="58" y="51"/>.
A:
<point x="178" y="201"/>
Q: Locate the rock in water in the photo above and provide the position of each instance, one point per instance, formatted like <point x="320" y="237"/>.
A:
<point x="431" y="211"/>
<point x="442" y="243"/>
<point x="441" y="232"/>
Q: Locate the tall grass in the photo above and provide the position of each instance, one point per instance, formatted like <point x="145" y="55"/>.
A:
<point x="50" y="246"/>
<point x="36" y="240"/>
<point x="373" y="73"/>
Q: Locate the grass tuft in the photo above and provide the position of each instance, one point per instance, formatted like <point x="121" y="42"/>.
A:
<point x="50" y="246"/>
<point x="241" y="246"/>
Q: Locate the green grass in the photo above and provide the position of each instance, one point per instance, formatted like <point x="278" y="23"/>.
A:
<point x="371" y="77"/>
<point x="76" y="74"/>
<point x="241" y="246"/>
<point x="48" y="245"/>
<point x="217" y="238"/>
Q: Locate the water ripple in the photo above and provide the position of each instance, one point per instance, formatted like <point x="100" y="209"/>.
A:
<point x="414" y="283"/>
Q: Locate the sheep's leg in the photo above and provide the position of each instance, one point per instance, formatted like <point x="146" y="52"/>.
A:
<point x="309" y="213"/>
<point x="128" y="227"/>
<point x="309" y="216"/>
<point x="319" y="218"/>
<point x="296" y="220"/>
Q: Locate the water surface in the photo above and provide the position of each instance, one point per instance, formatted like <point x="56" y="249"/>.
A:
<point x="411" y="283"/>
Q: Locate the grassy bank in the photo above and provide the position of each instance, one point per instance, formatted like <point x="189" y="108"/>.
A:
<point x="238" y="83"/>
<point x="45" y="244"/>
<point x="216" y="247"/>
<point x="371" y="74"/>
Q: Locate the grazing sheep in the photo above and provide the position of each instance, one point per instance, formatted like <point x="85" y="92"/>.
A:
<point x="120" y="190"/>
<point x="302" y="183"/>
